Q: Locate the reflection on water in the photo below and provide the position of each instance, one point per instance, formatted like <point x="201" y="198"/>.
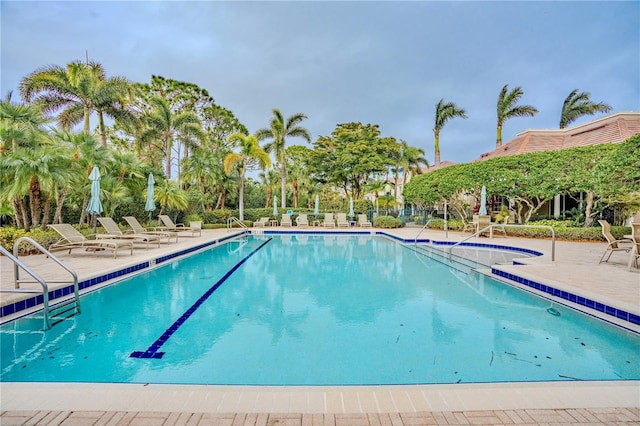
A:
<point x="319" y="310"/>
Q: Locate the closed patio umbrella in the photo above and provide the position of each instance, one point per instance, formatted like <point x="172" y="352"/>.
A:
<point x="351" y="213"/>
<point x="150" y="205"/>
<point x="483" y="201"/>
<point x="95" y="206"/>
<point x="316" y="209"/>
<point x="275" y="206"/>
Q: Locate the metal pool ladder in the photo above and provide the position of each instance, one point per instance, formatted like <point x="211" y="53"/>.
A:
<point x="52" y="314"/>
<point x="233" y="220"/>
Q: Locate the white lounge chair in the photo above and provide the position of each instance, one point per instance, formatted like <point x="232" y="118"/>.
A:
<point x="114" y="232"/>
<point x="613" y="245"/>
<point x="261" y="223"/>
<point x="328" y="221"/>
<point x="342" y="220"/>
<point x="72" y="238"/>
<point x="170" y="226"/>
<point x="363" y="221"/>
<point x="286" y="220"/>
<point x="139" y="229"/>
<point x="302" y="221"/>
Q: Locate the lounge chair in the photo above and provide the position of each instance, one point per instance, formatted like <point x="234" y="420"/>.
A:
<point x="612" y="243"/>
<point x="194" y="228"/>
<point x="286" y="220"/>
<point x="261" y="223"/>
<point x="72" y="238"/>
<point x="363" y="222"/>
<point x="328" y="221"/>
<point x="138" y="229"/>
<point x="635" y="251"/>
<point x="342" y="220"/>
<point x="302" y="221"/>
<point x="114" y="232"/>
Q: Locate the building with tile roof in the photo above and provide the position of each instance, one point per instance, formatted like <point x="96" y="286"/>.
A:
<point x="613" y="128"/>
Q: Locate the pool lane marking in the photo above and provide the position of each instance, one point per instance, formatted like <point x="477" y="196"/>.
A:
<point x="152" y="351"/>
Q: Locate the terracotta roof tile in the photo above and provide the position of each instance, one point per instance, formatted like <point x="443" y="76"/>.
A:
<point x="614" y="128"/>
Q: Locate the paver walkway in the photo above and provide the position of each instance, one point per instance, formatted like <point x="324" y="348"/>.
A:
<point x="601" y="416"/>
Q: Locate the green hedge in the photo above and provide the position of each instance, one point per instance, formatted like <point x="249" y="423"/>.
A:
<point x="562" y="229"/>
<point x="387" y="222"/>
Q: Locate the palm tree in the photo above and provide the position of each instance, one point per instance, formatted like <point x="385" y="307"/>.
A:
<point x="278" y="130"/>
<point x="169" y="194"/>
<point x="18" y="124"/>
<point x="165" y="126"/>
<point x="578" y="104"/>
<point x="508" y="108"/>
<point x="444" y="112"/>
<point x="250" y="157"/>
<point x="76" y="91"/>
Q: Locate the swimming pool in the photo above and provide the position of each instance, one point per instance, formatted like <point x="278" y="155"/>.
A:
<point x="316" y="310"/>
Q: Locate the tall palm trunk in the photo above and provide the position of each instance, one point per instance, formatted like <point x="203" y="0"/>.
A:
<point x="269" y="197"/>
<point x="283" y="186"/>
<point x="25" y="217"/>
<point x="57" y="216"/>
<point x="437" y="153"/>
<point x="87" y="113"/>
<point x="295" y="192"/>
<point x="17" y="213"/>
<point x="499" y="136"/>
<point x="46" y="213"/>
<point x="103" y="131"/>
<point x="34" y="201"/>
<point x="83" y="214"/>
<point x="241" y="197"/>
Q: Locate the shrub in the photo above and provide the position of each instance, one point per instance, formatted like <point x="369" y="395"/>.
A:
<point x="216" y="216"/>
<point x="386" y="222"/>
<point x="9" y="234"/>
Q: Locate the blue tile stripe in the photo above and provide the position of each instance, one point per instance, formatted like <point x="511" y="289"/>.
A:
<point x="279" y="232"/>
<point x="583" y="301"/>
<point x="450" y="243"/>
<point x="152" y="351"/>
<point x="28" y="303"/>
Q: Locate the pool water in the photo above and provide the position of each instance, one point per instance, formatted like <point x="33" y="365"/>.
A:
<point x="316" y="310"/>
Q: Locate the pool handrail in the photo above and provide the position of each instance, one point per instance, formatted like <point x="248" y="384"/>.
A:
<point x="495" y="225"/>
<point x="233" y="220"/>
<point x="415" y="240"/>
<point x="17" y="264"/>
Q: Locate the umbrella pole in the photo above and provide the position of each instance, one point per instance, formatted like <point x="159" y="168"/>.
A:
<point x="95" y="225"/>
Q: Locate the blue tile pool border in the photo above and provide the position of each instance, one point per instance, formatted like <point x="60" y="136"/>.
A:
<point x="610" y="311"/>
<point x="24" y="304"/>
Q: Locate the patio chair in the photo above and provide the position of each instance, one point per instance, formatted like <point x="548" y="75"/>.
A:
<point x="613" y="245"/>
<point x="72" y="238"/>
<point x="500" y="227"/>
<point x="286" y="220"/>
<point x="328" y="221"/>
<point x="136" y="228"/>
<point x="302" y="221"/>
<point x="194" y="228"/>
<point x="114" y="232"/>
<point x="342" y="220"/>
<point x="261" y="223"/>
<point x="363" y="222"/>
<point x="635" y="251"/>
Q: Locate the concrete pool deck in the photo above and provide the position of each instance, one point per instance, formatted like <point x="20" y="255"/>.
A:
<point x="575" y="269"/>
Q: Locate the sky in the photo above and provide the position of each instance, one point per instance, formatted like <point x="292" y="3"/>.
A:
<point x="384" y="63"/>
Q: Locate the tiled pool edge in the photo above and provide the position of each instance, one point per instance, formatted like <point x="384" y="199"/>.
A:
<point x="610" y="311"/>
<point x="31" y="302"/>
<point x="602" y="308"/>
